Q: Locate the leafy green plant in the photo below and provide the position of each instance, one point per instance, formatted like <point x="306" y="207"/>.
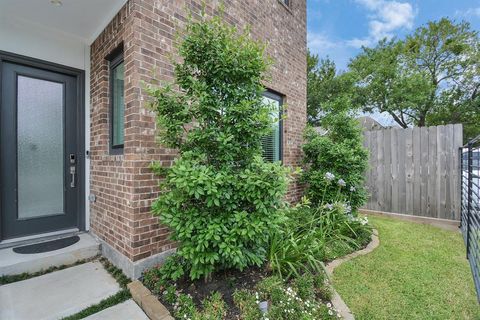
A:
<point x="310" y="235"/>
<point x="287" y="301"/>
<point x="335" y="162"/>
<point x="295" y="249"/>
<point x="219" y="198"/>
<point x="247" y="303"/>
<point x="172" y="269"/>
<point x="214" y="308"/>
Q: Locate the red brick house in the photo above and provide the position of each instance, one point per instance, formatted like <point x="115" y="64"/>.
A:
<point x="76" y="135"/>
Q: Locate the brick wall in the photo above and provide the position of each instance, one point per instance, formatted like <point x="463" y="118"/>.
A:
<point x="123" y="184"/>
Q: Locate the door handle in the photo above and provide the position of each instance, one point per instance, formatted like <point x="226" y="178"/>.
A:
<point x="73" y="173"/>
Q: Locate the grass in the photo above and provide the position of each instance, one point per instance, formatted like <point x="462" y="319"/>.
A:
<point x="119" y="297"/>
<point x="417" y="272"/>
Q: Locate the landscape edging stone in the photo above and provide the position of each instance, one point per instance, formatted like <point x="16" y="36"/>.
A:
<point x="149" y="303"/>
<point x="337" y="300"/>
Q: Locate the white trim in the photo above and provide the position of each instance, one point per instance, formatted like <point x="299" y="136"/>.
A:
<point x="87" y="135"/>
<point x="107" y="18"/>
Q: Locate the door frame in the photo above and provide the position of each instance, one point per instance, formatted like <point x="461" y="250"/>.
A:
<point x="80" y="117"/>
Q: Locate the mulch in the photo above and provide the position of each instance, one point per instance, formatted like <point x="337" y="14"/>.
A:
<point x="225" y="282"/>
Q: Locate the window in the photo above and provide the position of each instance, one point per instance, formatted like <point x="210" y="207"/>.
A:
<point x="286" y="2"/>
<point x="272" y="143"/>
<point x="117" y="104"/>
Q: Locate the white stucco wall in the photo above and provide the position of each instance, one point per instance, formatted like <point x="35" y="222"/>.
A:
<point x="21" y="37"/>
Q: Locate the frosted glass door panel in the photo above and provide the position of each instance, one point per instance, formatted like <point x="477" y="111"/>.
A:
<point x="39" y="147"/>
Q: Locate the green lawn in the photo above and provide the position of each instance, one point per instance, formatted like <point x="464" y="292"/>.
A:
<point x="417" y="272"/>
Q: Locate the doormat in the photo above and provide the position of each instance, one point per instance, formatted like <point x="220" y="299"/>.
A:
<point x="47" y="246"/>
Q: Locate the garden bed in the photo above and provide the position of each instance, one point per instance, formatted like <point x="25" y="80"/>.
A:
<point x="225" y="283"/>
<point x="236" y="294"/>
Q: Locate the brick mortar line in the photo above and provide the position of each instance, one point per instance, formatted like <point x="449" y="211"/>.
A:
<point x="337" y="300"/>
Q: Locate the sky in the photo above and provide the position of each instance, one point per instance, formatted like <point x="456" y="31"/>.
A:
<point x="339" y="28"/>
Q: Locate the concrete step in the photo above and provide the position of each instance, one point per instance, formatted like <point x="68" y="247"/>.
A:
<point x="58" y="294"/>
<point x="127" y="310"/>
<point x="14" y="263"/>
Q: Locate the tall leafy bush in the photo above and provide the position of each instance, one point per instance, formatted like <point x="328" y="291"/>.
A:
<point x="335" y="162"/>
<point x="219" y="198"/>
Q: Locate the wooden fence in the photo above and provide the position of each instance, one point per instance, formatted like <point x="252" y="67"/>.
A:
<point x="415" y="171"/>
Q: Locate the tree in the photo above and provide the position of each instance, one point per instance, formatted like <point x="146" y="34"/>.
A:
<point x="327" y="90"/>
<point x="430" y="78"/>
<point x="219" y="198"/>
<point x="385" y="84"/>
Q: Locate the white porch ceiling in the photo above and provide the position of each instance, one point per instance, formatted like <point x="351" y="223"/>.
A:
<point x="83" y="19"/>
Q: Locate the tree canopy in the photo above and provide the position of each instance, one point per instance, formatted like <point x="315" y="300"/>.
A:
<point x="431" y="77"/>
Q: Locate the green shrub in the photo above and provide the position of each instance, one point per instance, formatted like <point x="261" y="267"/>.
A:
<point x="219" y="198"/>
<point x="247" y="303"/>
<point x="335" y="162"/>
<point x="287" y="301"/>
<point x="297" y="246"/>
<point x="304" y="286"/>
<point x="172" y="269"/>
<point x="213" y="308"/>
<point x="185" y="307"/>
<point x="310" y="235"/>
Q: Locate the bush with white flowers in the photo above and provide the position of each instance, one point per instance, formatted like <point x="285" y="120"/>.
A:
<point x="298" y="299"/>
<point x="335" y="162"/>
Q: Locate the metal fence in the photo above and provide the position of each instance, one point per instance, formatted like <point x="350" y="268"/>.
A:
<point x="470" y="218"/>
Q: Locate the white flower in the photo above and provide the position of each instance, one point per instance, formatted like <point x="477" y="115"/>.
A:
<point x="341" y="182"/>
<point x="364" y="221"/>
<point x="329" y="176"/>
<point x="348" y="209"/>
<point x="329" y="206"/>
<point x="352" y="189"/>
<point x="330" y="312"/>
<point x="329" y="305"/>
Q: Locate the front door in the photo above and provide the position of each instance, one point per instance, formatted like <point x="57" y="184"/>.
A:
<point x="39" y="160"/>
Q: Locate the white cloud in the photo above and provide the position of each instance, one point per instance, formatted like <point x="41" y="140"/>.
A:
<point x="358" y="43"/>
<point x="370" y="4"/>
<point x="386" y="18"/>
<point x="318" y="41"/>
<point x="338" y="50"/>
<point x="471" y="12"/>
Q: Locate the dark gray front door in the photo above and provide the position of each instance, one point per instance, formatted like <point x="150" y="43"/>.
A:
<point x="39" y="151"/>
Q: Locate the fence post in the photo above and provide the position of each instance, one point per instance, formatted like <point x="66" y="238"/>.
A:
<point x="460" y="169"/>
<point x="469" y="192"/>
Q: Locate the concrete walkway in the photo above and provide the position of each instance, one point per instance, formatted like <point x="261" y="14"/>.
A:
<point x="127" y="310"/>
<point x="63" y="293"/>
<point x="15" y="263"/>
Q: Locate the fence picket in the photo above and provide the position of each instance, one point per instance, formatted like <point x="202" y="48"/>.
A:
<point x="415" y="170"/>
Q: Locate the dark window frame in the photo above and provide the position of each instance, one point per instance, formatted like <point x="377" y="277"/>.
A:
<point x="116" y="58"/>
<point x="280" y="99"/>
